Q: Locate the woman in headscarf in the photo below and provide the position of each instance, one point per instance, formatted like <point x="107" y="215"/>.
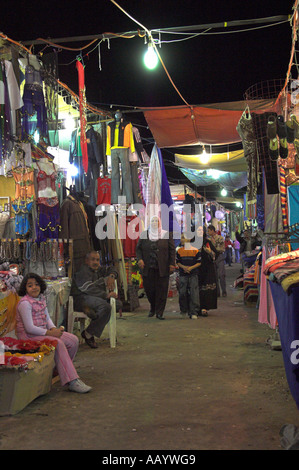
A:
<point x="155" y="254"/>
<point x="207" y="275"/>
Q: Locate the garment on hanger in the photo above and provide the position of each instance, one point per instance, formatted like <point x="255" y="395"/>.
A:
<point x="48" y="219"/>
<point x="5" y="117"/>
<point x="82" y="106"/>
<point x="22" y="210"/>
<point x="104" y="190"/>
<point x="74" y="227"/>
<point x="46" y="182"/>
<point x="245" y="129"/>
<point x="13" y="92"/>
<point x="34" y="114"/>
<point x="24" y="179"/>
<point x="119" y="141"/>
<point x="139" y="153"/>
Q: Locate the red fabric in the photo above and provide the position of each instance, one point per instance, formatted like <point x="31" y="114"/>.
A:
<point x="104" y="191"/>
<point x="212" y="124"/>
<point x="82" y="105"/>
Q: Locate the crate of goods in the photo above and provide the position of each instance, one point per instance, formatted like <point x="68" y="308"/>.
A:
<point x="24" y="377"/>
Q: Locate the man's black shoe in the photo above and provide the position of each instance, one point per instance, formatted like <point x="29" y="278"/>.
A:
<point x="90" y="341"/>
<point x="151" y="314"/>
<point x="160" y="317"/>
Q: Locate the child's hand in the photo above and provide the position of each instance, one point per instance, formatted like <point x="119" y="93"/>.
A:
<point x="56" y="332"/>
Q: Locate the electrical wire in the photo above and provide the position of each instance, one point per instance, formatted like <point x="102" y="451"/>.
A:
<point x="156" y="50"/>
<point x="294" y="19"/>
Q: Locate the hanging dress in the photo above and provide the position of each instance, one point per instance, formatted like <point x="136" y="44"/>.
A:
<point x="34" y="113"/>
<point x="245" y="129"/>
<point x="48" y="214"/>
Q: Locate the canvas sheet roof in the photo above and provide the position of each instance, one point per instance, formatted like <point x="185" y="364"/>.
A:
<point x="228" y="161"/>
<point x="228" y="180"/>
<point x="211" y="124"/>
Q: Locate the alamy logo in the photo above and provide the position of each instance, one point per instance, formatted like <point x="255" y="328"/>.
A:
<point x="295" y="354"/>
<point x="189" y="220"/>
<point x="2" y="350"/>
<point x="294" y="92"/>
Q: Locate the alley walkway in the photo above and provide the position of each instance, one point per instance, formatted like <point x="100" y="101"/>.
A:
<point x="178" y="384"/>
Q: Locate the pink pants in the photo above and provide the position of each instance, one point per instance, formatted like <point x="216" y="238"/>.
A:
<point x="65" y="352"/>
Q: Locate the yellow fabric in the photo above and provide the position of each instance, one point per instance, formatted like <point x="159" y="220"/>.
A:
<point x="128" y="139"/>
<point x="229" y="161"/>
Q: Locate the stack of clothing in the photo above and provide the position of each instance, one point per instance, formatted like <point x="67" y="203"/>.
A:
<point x="284" y="270"/>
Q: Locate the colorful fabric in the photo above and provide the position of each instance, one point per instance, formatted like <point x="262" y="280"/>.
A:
<point x="48" y="220"/>
<point x="250" y="287"/>
<point x="293" y="204"/>
<point x="278" y="259"/>
<point x="290" y="282"/>
<point x="82" y="109"/>
<point x="267" y="313"/>
<point x="283" y="198"/>
<point x="104" y="191"/>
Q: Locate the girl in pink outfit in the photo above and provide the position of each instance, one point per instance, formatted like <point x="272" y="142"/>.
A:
<point x="33" y="322"/>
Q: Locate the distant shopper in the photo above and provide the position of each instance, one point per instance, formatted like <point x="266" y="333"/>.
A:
<point x="33" y="321"/>
<point x="237" y="251"/>
<point x="155" y="252"/>
<point x="207" y="276"/>
<point x="247" y="242"/>
<point x="218" y="244"/>
<point x="188" y="262"/>
<point x="228" y="250"/>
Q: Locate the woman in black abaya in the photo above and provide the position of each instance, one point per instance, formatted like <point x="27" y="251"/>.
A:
<point x="207" y="276"/>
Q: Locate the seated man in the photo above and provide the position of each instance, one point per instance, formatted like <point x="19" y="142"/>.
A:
<point x="92" y="288"/>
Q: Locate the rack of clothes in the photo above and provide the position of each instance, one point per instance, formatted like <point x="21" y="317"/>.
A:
<point x="281" y="271"/>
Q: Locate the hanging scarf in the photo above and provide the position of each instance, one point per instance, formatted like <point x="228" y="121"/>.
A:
<point x="82" y="108"/>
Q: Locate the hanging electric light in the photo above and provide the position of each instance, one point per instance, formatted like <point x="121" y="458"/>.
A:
<point x="204" y="157"/>
<point x="150" y="57"/>
<point x="223" y="192"/>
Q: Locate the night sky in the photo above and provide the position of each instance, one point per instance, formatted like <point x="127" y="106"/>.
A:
<point x="205" y="69"/>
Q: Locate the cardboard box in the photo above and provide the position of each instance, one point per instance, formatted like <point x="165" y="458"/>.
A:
<point x="18" y="388"/>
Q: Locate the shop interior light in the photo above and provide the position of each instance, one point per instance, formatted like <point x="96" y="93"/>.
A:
<point x="204" y="157"/>
<point x="69" y="123"/>
<point x="223" y="192"/>
<point x="150" y="57"/>
<point x="36" y="136"/>
<point x="72" y="171"/>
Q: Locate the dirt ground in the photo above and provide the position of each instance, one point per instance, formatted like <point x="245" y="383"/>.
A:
<point x="207" y="384"/>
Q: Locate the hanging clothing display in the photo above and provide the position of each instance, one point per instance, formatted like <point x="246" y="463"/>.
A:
<point x="119" y="141"/>
<point x="266" y="313"/>
<point x="48" y="208"/>
<point x="82" y="107"/>
<point x="24" y="178"/>
<point x="74" y="226"/>
<point x="104" y="191"/>
<point x="12" y="93"/>
<point x="245" y="129"/>
<point x="34" y="114"/>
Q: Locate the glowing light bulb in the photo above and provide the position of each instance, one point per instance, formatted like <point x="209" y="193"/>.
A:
<point x="36" y="136"/>
<point x="150" y="57"/>
<point x="69" y="123"/>
<point x="204" y="158"/>
<point x="223" y="192"/>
